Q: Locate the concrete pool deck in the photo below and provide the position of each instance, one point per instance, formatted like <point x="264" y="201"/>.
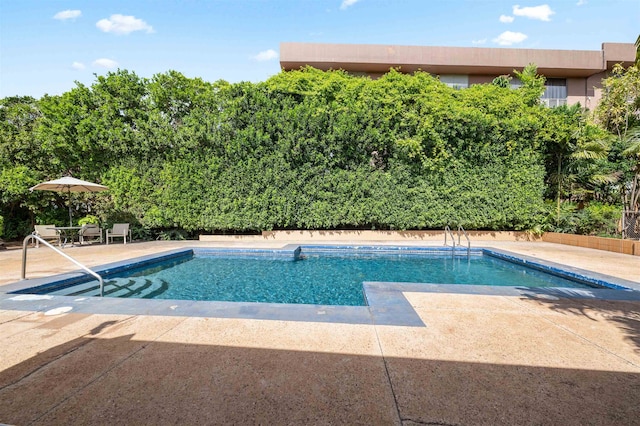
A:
<point x="478" y="359"/>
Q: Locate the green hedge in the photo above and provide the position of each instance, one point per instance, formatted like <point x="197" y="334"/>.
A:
<point x="305" y="149"/>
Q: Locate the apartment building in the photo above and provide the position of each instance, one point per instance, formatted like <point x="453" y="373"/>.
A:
<point x="573" y="76"/>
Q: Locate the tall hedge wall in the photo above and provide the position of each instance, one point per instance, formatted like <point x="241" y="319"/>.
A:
<point x="305" y="149"/>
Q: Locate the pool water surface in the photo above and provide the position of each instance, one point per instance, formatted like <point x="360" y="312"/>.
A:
<point x="319" y="278"/>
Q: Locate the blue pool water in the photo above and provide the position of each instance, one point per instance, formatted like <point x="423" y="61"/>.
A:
<point x="313" y="278"/>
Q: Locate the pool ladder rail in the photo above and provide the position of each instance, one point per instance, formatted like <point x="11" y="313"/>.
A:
<point x="460" y="232"/>
<point x="25" y="243"/>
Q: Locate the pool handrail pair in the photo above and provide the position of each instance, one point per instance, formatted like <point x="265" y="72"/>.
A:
<point x="448" y="231"/>
<point x="30" y="237"/>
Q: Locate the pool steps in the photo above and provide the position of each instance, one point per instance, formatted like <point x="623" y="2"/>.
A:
<point x="123" y="287"/>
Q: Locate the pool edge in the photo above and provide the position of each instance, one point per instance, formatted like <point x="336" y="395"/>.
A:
<point x="387" y="303"/>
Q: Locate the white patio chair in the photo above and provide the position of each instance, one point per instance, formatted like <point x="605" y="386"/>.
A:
<point x="46" y="232"/>
<point x="90" y="232"/>
<point x="119" y="230"/>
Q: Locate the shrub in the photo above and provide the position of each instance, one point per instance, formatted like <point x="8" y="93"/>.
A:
<point x="89" y="219"/>
<point x="599" y="219"/>
<point x="593" y="219"/>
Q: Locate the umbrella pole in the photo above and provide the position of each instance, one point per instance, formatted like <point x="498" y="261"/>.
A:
<point x="70" y="219"/>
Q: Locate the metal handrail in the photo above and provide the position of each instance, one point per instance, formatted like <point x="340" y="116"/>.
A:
<point x="447" y="230"/>
<point x="460" y="228"/>
<point x="66" y="256"/>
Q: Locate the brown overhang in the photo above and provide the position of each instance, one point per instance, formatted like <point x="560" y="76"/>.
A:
<point x="369" y="58"/>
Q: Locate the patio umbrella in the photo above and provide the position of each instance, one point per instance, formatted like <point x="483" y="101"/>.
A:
<point x="69" y="184"/>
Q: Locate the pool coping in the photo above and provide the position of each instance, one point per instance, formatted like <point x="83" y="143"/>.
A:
<point x="387" y="304"/>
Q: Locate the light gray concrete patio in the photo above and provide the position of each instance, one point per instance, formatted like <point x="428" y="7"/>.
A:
<point x="479" y="359"/>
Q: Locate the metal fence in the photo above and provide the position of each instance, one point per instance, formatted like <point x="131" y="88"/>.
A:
<point x="631" y="225"/>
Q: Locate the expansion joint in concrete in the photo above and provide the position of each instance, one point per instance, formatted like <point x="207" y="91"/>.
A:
<point x="16" y="318"/>
<point x="411" y="422"/>
<point x="44" y="366"/>
<point x="386" y="371"/>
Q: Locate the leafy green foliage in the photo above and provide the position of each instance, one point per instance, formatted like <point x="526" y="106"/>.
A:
<point x="532" y="84"/>
<point x="574" y="150"/>
<point x="596" y="218"/>
<point x="305" y="149"/>
<point x="503" y="81"/>
<point x="89" y="220"/>
<point x="600" y="219"/>
<point x="618" y="110"/>
<point x="619" y="113"/>
<point x="631" y="144"/>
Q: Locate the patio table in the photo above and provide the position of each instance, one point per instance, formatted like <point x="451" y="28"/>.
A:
<point x="67" y="233"/>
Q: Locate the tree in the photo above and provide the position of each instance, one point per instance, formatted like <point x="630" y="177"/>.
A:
<point x="532" y="84"/>
<point x="572" y="146"/>
<point x="632" y="150"/>
<point x="619" y="113"/>
<point x="619" y="108"/>
<point x="22" y="163"/>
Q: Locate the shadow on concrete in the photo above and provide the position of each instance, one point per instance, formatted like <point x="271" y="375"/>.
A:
<point x="625" y="314"/>
<point x="92" y="380"/>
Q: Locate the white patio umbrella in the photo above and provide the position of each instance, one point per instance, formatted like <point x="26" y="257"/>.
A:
<point x="69" y="184"/>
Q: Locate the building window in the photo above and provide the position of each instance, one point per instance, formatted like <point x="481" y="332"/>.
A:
<point x="455" y="81"/>
<point x="555" y="91"/>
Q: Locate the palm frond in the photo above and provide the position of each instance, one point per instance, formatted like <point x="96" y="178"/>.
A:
<point x="605" y="178"/>
<point x="593" y="150"/>
<point x="632" y="141"/>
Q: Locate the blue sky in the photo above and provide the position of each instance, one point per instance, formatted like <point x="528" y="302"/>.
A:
<point x="47" y="45"/>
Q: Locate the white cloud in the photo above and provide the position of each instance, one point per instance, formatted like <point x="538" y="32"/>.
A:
<point x="506" y="19"/>
<point x="67" y="14"/>
<point x="105" y="63"/>
<point x="77" y="66"/>
<point x="481" y="41"/>
<point x="508" y="38"/>
<point x="542" y="12"/>
<point x="120" y="24"/>
<point x="266" y="55"/>
<point x="581" y="2"/>
<point x="346" y="3"/>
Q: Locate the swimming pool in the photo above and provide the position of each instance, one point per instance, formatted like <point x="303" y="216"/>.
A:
<point x="316" y="275"/>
